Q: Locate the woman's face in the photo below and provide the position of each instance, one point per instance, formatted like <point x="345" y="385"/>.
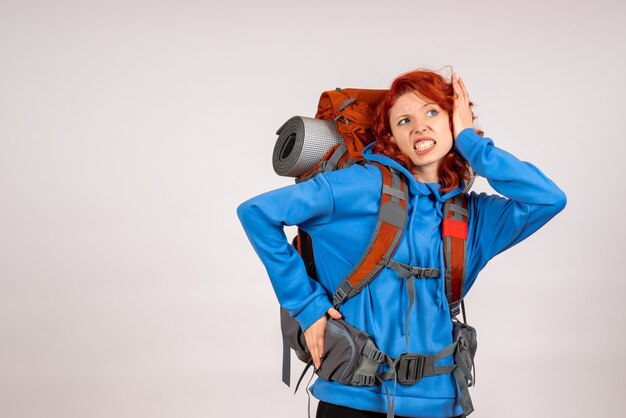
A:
<point x="421" y="129"/>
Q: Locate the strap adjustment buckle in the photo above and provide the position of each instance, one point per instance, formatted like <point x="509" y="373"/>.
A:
<point x="376" y="355"/>
<point x="410" y="368"/>
<point x="339" y="296"/>
<point x="423" y="273"/>
<point x="364" y="380"/>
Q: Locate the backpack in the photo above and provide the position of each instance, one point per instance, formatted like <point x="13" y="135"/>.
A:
<point x="334" y="140"/>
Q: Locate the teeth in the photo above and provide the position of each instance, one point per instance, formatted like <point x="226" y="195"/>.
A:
<point x="424" y="145"/>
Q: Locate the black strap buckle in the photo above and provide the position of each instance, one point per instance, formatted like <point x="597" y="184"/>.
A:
<point x="410" y="368"/>
<point x="424" y="272"/>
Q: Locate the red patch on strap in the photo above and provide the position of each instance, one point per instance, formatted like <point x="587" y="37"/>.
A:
<point x="454" y="228"/>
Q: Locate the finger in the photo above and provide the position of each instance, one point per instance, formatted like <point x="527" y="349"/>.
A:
<point x="319" y="352"/>
<point x="309" y="344"/>
<point x="315" y="356"/>
<point x="320" y="343"/>
<point x="316" y="362"/>
<point x="334" y="313"/>
<point x="463" y="89"/>
<point x="309" y="338"/>
<point x="456" y="88"/>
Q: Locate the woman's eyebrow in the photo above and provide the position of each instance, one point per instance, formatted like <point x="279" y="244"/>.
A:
<point x="420" y="108"/>
<point x="401" y="116"/>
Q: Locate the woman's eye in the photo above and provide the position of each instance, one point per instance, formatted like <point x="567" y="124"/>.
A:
<point x="403" y="121"/>
<point x="432" y="112"/>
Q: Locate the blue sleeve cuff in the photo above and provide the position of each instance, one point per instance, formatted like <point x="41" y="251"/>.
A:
<point x="468" y="139"/>
<point x="313" y="311"/>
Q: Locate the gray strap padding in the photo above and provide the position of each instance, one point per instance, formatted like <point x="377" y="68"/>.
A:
<point x="392" y="213"/>
<point x="464" y="273"/>
<point x="447" y="246"/>
<point x="448" y="256"/>
<point x="393" y="192"/>
<point x="459" y="210"/>
<point x="454" y="204"/>
<point x="365" y="373"/>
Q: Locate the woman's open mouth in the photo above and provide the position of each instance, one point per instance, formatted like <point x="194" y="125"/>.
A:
<point x="422" y="146"/>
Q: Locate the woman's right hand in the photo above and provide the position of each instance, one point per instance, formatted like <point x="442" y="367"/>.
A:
<point x="314" y="336"/>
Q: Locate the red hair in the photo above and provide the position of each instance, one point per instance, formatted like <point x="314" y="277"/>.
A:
<point x="432" y="86"/>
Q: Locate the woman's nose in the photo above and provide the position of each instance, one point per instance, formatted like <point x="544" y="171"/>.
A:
<point x="420" y="127"/>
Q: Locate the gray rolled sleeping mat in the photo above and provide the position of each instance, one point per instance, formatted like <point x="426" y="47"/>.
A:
<point x="301" y="144"/>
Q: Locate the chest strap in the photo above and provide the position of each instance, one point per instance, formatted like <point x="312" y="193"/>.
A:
<point x="410" y="273"/>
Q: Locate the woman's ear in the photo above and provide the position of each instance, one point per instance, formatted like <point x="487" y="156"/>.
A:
<point x="391" y="138"/>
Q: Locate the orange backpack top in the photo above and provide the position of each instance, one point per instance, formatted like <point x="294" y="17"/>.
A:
<point x="352" y="111"/>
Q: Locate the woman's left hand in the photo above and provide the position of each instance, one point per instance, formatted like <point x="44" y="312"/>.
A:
<point x="462" y="117"/>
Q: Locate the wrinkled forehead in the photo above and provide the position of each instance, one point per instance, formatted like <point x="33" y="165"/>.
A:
<point x="409" y="102"/>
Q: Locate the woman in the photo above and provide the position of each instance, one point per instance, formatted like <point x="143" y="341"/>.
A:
<point x="424" y="129"/>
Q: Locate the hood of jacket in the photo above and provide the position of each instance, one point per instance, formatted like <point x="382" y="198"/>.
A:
<point x="416" y="187"/>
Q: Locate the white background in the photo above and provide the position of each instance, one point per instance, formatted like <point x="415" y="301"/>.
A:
<point x="130" y="131"/>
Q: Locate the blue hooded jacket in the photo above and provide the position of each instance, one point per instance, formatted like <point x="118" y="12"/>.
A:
<point x="339" y="210"/>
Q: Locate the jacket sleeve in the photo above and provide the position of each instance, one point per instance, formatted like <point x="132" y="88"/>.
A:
<point x="497" y="223"/>
<point x="263" y="218"/>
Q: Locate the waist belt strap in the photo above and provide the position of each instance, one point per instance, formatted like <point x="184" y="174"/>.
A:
<point x="410" y="368"/>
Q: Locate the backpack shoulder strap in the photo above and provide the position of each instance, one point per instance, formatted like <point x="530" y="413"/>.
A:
<point x="454" y="234"/>
<point x="385" y="239"/>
